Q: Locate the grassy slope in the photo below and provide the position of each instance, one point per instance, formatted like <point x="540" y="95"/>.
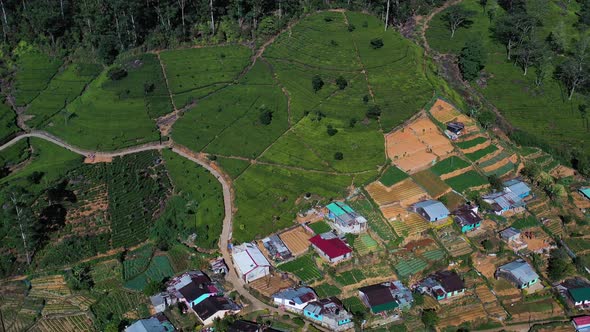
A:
<point x="110" y="114"/>
<point x="545" y="112"/>
<point x="7" y="121"/>
<point x="198" y="187"/>
<point x="34" y="70"/>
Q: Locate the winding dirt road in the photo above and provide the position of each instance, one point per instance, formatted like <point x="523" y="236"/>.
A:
<point x="200" y="159"/>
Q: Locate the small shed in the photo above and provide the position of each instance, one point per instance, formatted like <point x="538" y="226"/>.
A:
<point x="510" y="234"/>
<point x="585" y="192"/>
<point x="431" y="210"/>
<point x="456" y="127"/>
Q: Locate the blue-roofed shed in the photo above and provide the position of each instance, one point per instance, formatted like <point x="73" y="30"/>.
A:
<point x="518" y="188"/>
<point x="432" y="210"/>
<point x="585" y="192"/>
<point x="294" y="299"/>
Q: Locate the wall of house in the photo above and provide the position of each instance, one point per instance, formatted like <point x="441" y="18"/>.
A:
<point x="257" y="273"/>
<point x="291" y="307"/>
<point x="313" y="316"/>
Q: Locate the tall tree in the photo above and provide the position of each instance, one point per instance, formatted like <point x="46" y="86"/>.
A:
<point x="18" y="215"/>
<point x="512" y="29"/>
<point x="471" y="59"/>
<point x="457" y="17"/>
<point x="574" y="71"/>
<point x="528" y="52"/>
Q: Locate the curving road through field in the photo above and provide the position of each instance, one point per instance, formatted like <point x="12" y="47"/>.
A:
<point x="225" y="238"/>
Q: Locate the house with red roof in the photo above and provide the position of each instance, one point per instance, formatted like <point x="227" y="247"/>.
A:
<point x="582" y="323"/>
<point x="330" y="247"/>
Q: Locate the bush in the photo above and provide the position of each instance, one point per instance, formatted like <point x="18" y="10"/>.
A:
<point x="331" y="130"/>
<point x="317" y="83"/>
<point x="341" y="82"/>
<point x="352" y="122"/>
<point x="116" y="72"/>
<point x="351" y="27"/>
<point x="430" y="318"/>
<point x="338" y="156"/>
<point x="374" y="112"/>
<point x="265" y="116"/>
<point x="376" y="43"/>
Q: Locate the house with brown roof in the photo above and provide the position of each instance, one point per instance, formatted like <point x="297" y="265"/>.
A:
<point x="442" y="285"/>
<point x="386" y="296"/>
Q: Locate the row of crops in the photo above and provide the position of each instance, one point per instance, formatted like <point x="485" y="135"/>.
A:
<point x="303" y="267"/>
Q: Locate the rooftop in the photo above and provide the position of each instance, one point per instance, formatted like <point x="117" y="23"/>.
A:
<point x="585" y="192"/>
<point x="580" y="294"/>
<point x="450" y="280"/>
<point x="509" y="232"/>
<point x="582" y="320"/>
<point x="466" y="217"/>
<point x="248" y="257"/>
<point x="521" y="270"/>
<point x="331" y="307"/>
<point x="298" y="295"/>
<point x="157" y="323"/>
<point x="211" y="305"/>
<point x="517" y="187"/>
<point x="331" y="246"/>
<point x="434" y="209"/>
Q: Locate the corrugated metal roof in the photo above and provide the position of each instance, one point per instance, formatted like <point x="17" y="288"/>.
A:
<point x="517" y="187"/>
<point x="580" y="294"/>
<point x="299" y="295"/>
<point x="247" y="256"/>
<point x="521" y="270"/>
<point x="434" y="209"/>
<point x="585" y="192"/>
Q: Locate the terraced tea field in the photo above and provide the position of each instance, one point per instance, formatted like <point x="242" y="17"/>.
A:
<point x="303" y="267"/>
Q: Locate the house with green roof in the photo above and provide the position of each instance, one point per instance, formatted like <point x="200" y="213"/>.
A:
<point x="580" y="297"/>
<point x="344" y="219"/>
<point x="585" y="192"/>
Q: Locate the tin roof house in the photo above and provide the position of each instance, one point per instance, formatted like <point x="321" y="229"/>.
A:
<point x="215" y="307"/>
<point x="250" y="262"/>
<point x="442" y="285"/>
<point x="386" y="296"/>
<point x="294" y="299"/>
<point x="276" y="248"/>
<point x="580" y="297"/>
<point x="519" y="272"/>
<point x="431" y="210"/>
<point x="345" y="219"/>
<point x="156" y="323"/>
<point x="329" y="313"/>
<point x="511" y="198"/>
<point x="191" y="288"/>
<point x="581" y="323"/>
<point x="330" y="247"/>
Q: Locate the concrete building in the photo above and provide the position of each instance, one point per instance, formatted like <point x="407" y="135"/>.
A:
<point x="189" y="288"/>
<point x="345" y="219"/>
<point x="329" y="313"/>
<point x="431" y="210"/>
<point x="519" y="272"/>
<point x="510" y="199"/>
<point x="250" y="262"/>
<point x="330" y="247"/>
<point x="294" y="299"/>
<point x="580" y="297"/>
<point x="466" y="218"/>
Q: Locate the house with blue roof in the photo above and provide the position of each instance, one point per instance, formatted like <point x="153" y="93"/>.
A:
<point x="344" y="219"/>
<point x="519" y="272"/>
<point x="294" y="299"/>
<point x="157" y="323"/>
<point x="509" y="199"/>
<point x="432" y="210"/>
<point x="329" y="313"/>
<point x="585" y="192"/>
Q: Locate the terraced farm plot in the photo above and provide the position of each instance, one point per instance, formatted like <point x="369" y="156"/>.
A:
<point x="434" y="255"/>
<point x="271" y="284"/>
<point x="7" y="122"/>
<point x="71" y="323"/>
<point x="137" y="261"/>
<point x="467" y="180"/>
<point x="320" y="227"/>
<point x="479" y="154"/>
<point x="431" y="182"/>
<point x="63" y="88"/>
<point x="406" y="193"/>
<point x="350" y="277"/>
<point x="460" y="314"/>
<point x="464" y="145"/>
<point x="449" y="165"/>
<point x="297" y="240"/>
<point x="365" y="244"/>
<point x="453" y="242"/>
<point x="392" y="175"/>
<point x="193" y="72"/>
<point x="374" y="219"/>
<point x="578" y="245"/>
<point x="393" y="211"/>
<point x="158" y="270"/>
<point x="327" y="290"/>
<point x="443" y="111"/>
<point x="411" y="224"/>
<point x="34" y="71"/>
<point x="409" y="267"/>
<point x="117" y="303"/>
<point x="53" y="286"/>
<point x="353" y="304"/>
<point x="303" y="267"/>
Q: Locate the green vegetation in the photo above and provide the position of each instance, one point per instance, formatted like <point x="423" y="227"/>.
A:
<point x="34" y="71"/>
<point x="449" y="165"/>
<point x="477" y="155"/>
<point x="392" y="175"/>
<point x="7" y="121"/>
<point x="194" y="73"/>
<point x="350" y="277"/>
<point x="471" y="143"/>
<point x="233" y="167"/>
<point x="525" y="222"/>
<point x="200" y="209"/>
<point x="63" y="88"/>
<point x="327" y="290"/>
<point x="111" y="114"/>
<point x="303" y="267"/>
<point x="158" y="269"/>
<point x="466" y="180"/>
<point x="410" y="266"/>
<point x="320" y="227"/>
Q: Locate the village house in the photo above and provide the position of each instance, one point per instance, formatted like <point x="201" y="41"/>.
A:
<point x="512" y="237"/>
<point x="294" y="299"/>
<point x="442" y="285"/>
<point x="329" y="313"/>
<point x="156" y="323"/>
<point x="250" y="262"/>
<point x="467" y="218"/>
<point x="276" y="248"/>
<point x="581" y="324"/>
<point x="585" y="192"/>
<point x="580" y="297"/>
<point x="431" y="210"/>
<point x="330" y="247"/>
<point x="456" y="127"/>
<point x="215" y="307"/>
<point x="510" y="199"/>
<point x="189" y="288"/>
<point x="519" y="272"/>
<point x="345" y="219"/>
<point x="386" y="296"/>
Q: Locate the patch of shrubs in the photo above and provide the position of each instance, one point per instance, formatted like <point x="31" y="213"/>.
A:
<point x="351" y="27"/>
<point x="341" y="82"/>
<point x="317" y="83"/>
<point x="374" y="112"/>
<point x="116" y="72"/>
<point x="338" y="156"/>
<point x="331" y="130"/>
<point x="265" y="116"/>
<point x="376" y="43"/>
